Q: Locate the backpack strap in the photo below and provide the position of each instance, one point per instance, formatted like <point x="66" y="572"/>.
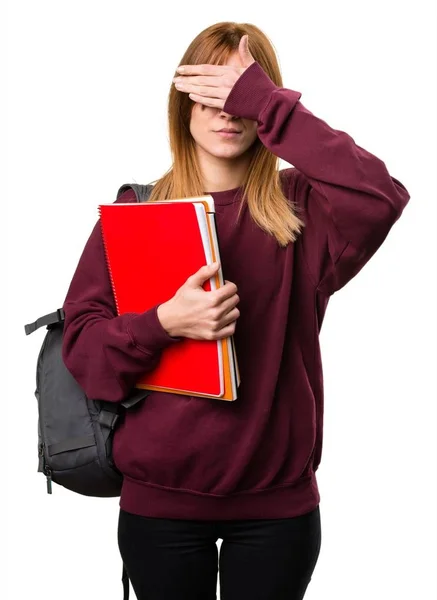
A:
<point x="142" y="192"/>
<point x="110" y="412"/>
<point x="49" y="319"/>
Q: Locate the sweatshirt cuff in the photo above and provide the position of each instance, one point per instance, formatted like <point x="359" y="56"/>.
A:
<point x="147" y="332"/>
<point x="252" y="92"/>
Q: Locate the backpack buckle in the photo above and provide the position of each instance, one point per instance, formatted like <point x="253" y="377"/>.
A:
<point x="108" y="419"/>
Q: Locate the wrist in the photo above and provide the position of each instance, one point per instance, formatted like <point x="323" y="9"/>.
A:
<point x="165" y="316"/>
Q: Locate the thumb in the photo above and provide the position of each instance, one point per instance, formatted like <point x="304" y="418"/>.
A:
<point x="246" y="57"/>
<point x="203" y="274"/>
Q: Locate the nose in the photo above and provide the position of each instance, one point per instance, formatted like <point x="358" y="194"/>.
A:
<point x="226" y="115"/>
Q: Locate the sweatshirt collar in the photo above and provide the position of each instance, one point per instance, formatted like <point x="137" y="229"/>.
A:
<point x="226" y="196"/>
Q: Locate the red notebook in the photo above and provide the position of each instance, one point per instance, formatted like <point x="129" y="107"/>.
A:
<point x="151" y="250"/>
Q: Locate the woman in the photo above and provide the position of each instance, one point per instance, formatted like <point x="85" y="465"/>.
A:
<point x="195" y="469"/>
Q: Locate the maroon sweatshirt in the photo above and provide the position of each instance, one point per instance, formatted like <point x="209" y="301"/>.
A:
<point x="196" y="458"/>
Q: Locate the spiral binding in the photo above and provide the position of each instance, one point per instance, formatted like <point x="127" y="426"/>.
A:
<point x="108" y="262"/>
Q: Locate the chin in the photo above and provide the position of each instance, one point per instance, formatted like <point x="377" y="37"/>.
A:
<point x="227" y="155"/>
<point x="229" y="152"/>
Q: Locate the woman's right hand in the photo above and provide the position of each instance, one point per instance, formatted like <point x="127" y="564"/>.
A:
<point x="200" y="315"/>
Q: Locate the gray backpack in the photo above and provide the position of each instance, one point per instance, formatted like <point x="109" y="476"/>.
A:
<point x="74" y="432"/>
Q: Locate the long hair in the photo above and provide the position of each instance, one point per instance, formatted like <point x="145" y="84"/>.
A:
<point x="271" y="210"/>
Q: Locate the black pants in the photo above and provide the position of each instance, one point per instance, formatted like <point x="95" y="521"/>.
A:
<point x="172" y="559"/>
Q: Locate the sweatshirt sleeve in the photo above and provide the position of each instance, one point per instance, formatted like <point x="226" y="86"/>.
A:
<point x="106" y="353"/>
<point x="350" y="201"/>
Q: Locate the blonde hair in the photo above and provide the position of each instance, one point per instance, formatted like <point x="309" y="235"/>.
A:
<point x="271" y="210"/>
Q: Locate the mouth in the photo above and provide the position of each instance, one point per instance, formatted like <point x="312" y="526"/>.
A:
<point x="229" y="130"/>
<point x="228" y="133"/>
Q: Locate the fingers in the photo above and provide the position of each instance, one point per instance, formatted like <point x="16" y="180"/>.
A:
<point x="211" y="102"/>
<point x="218" y="317"/>
<point x="224" y="320"/>
<point x="232" y="316"/>
<point x="221" y="303"/>
<point x="205" y="69"/>
<point x="202" y="275"/>
<point x="199" y="80"/>
<point x="205" y="273"/>
<point x="225" y="332"/>
<point x="228" y="304"/>
<point x="223" y="293"/>
<point x="202" y="90"/>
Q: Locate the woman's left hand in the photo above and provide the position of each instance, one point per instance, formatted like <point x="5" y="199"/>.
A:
<point x="211" y="84"/>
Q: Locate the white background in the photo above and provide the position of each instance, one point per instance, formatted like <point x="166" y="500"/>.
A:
<point x="88" y="84"/>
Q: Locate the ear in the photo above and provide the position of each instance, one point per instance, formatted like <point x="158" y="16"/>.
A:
<point x="243" y="49"/>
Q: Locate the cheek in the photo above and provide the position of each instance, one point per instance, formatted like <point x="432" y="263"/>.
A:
<point x="200" y="124"/>
<point x="199" y="114"/>
<point x="251" y="127"/>
<point x="253" y="135"/>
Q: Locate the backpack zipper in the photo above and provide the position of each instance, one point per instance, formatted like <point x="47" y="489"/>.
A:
<point x="46" y="470"/>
